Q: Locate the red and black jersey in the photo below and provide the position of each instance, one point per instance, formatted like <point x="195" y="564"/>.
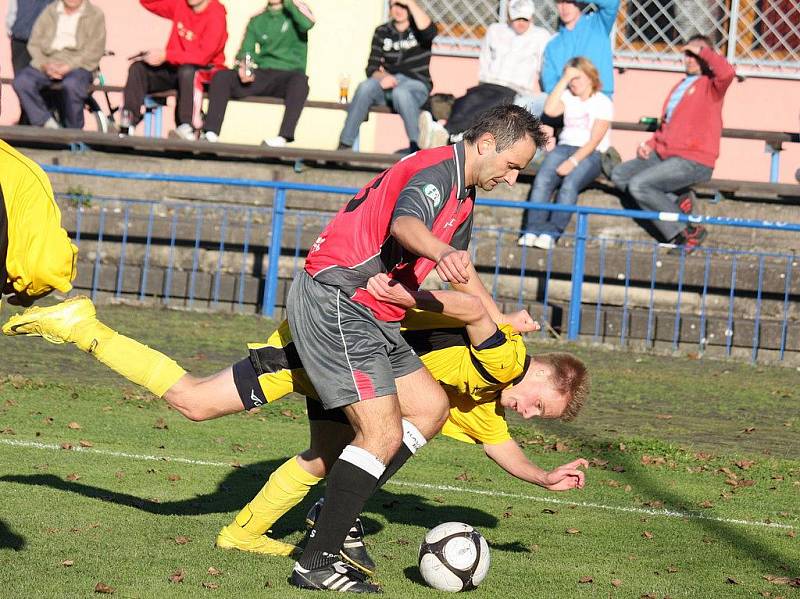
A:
<point x="356" y="244"/>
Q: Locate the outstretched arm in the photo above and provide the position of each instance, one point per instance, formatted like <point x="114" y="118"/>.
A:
<point x="511" y="458"/>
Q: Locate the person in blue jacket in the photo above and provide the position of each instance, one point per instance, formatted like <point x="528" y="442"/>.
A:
<point x="581" y="34"/>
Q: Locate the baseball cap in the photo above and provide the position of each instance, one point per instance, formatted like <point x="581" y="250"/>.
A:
<point x="520" y="9"/>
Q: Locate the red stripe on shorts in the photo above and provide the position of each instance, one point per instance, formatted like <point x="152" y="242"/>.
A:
<point x="366" y="390"/>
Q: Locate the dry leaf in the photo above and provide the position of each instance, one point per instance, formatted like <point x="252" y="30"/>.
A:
<point x="463" y="477"/>
<point x="547" y="510"/>
<point x="173" y="477"/>
<point x="616" y="583"/>
<point x="654" y="503"/>
<point x="8" y="431"/>
<point x="560" y="446"/>
<point x="182" y="539"/>
<point x="288" y="413"/>
<point x="211" y="585"/>
<point x="745" y="464"/>
<point x="647" y="534"/>
<point x="731" y="580"/>
<point x="703" y="456"/>
<point x="74" y="426"/>
<point x="85" y="443"/>
<point x="585" y="579"/>
<point x="72" y="476"/>
<point x="161" y="424"/>
<point x="618" y="469"/>
<point x="177" y="576"/>
<point x="706" y="504"/>
<point x="672" y="569"/>
<point x="102" y="587"/>
<point x="748" y="430"/>
<point x="66" y="446"/>
<point x="67" y="563"/>
<point x="213" y="571"/>
<point x="573" y="531"/>
<point x="119" y="474"/>
<point x="664" y="416"/>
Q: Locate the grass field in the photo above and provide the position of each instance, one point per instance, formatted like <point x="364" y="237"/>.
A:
<point x="694" y="489"/>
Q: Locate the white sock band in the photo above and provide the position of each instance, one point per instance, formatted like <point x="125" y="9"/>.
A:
<point x="363" y="459"/>
<point x="412" y="438"/>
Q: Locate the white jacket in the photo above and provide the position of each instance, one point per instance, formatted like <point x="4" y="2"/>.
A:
<point x="513" y="60"/>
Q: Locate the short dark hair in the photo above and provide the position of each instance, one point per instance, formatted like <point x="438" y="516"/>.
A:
<point x="507" y="123"/>
<point x="700" y="37"/>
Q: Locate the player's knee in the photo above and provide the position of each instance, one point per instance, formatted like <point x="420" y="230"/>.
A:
<point x="384" y="441"/>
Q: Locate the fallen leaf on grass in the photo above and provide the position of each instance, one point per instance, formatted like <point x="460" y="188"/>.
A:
<point x="210" y="585"/>
<point x="748" y="430"/>
<point x="731" y="580"/>
<point x="706" y="504"/>
<point x="585" y="579"/>
<point x="653" y="460"/>
<point x="161" y="424"/>
<point x="618" y="469"/>
<point x="67" y="563"/>
<point x="616" y="583"/>
<point x="213" y="571"/>
<point x="654" y="503"/>
<point x="664" y="416"/>
<point x="703" y="456"/>
<point x="560" y="446"/>
<point x="672" y="569"/>
<point x="572" y="531"/>
<point x="745" y="464"/>
<point x="791" y="534"/>
<point x="647" y="534"/>
<point x="74" y="426"/>
<point x="177" y="576"/>
<point x="66" y="446"/>
<point x="463" y="477"/>
<point x="548" y="510"/>
<point x="8" y="431"/>
<point x="119" y="474"/>
<point x="288" y="413"/>
<point x="85" y="443"/>
<point x="173" y="477"/>
<point x="598" y="463"/>
<point x="72" y="476"/>
<point x="182" y="539"/>
<point x="102" y="587"/>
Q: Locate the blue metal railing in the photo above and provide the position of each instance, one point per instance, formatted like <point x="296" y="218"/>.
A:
<point x="278" y="213"/>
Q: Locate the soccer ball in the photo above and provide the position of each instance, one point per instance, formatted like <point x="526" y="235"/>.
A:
<point x="453" y="557"/>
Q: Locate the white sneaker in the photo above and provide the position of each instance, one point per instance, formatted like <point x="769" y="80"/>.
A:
<point x="209" y="136"/>
<point x="425" y="123"/>
<point x="51" y="123"/>
<point x="183" y="131"/>
<point x="544" y="242"/>
<point x="275" y="142"/>
<point x="527" y="239"/>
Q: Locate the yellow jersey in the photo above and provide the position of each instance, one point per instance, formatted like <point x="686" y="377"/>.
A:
<point x="39" y="256"/>
<point x="473" y="379"/>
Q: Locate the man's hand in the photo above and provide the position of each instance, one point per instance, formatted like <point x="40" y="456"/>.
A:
<point x="56" y="70"/>
<point x="567" y="477"/>
<point x="388" y="82"/>
<point x="243" y="77"/>
<point x="155" y="57"/>
<point x="643" y="151"/>
<point x="521" y="321"/>
<point x="453" y="266"/>
<point x="382" y="288"/>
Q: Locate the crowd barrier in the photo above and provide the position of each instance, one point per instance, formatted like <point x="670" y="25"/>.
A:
<point x="231" y="235"/>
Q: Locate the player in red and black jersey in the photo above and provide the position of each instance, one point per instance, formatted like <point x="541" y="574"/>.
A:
<point x="413" y="218"/>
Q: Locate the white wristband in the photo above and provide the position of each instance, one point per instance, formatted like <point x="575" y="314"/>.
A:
<point x="573" y="161"/>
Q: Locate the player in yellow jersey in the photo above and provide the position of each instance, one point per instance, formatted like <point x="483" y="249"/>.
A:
<point x="484" y="369"/>
<point x="36" y="255"/>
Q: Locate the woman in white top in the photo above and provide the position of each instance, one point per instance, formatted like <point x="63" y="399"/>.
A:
<point x="575" y="161"/>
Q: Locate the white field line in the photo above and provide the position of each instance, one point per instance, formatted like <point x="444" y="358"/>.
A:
<point x="427" y="486"/>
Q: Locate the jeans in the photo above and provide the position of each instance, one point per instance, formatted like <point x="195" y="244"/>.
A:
<point x="653" y="183"/>
<point x="533" y="104"/>
<point x="406" y="100"/>
<point x="547" y="181"/>
<point x="29" y="84"/>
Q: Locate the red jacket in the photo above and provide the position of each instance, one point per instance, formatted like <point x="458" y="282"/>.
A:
<point x="695" y="128"/>
<point x="196" y="38"/>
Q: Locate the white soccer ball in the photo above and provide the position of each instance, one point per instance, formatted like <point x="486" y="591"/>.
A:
<point x="454" y="557"/>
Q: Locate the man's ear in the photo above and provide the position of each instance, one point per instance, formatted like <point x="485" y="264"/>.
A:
<point x="486" y="143"/>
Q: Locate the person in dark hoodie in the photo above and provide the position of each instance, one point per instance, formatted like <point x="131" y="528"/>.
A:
<point x="397" y="72"/>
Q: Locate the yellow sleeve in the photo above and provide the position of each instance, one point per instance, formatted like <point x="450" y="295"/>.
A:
<point x="282" y="379"/>
<point x="476" y="423"/>
<point x="40" y="255"/>
<point x="505" y="362"/>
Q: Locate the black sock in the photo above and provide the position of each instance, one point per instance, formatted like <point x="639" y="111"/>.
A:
<point x="352" y="480"/>
<point x="400" y="458"/>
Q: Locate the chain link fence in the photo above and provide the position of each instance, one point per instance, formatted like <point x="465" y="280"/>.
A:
<point x="759" y="37"/>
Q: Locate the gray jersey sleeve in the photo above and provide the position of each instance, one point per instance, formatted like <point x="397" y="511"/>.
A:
<point x="424" y="195"/>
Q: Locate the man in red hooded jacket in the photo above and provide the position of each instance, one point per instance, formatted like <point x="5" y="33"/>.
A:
<point x="195" y="47"/>
<point x="684" y="148"/>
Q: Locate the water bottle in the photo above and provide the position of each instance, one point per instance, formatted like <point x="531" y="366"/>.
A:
<point x="248" y="65"/>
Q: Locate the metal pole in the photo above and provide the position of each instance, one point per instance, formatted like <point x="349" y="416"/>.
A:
<point x="271" y="286"/>
<point x="578" y="263"/>
<point x="732" y="37"/>
<point x="774" y="161"/>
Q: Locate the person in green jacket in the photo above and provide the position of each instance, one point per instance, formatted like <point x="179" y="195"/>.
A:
<point x="270" y="62"/>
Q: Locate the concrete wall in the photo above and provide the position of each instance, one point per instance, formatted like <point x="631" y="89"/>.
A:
<point x="339" y="43"/>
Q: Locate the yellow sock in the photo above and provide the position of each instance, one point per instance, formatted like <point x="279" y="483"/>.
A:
<point x="286" y="487"/>
<point x="133" y="360"/>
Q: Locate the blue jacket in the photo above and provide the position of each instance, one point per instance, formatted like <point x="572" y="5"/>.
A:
<point x="27" y="13"/>
<point x="590" y="38"/>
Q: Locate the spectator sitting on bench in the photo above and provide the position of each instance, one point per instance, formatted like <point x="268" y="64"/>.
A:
<point x="511" y="54"/>
<point x="195" y="47"/>
<point x="66" y="44"/>
<point x="685" y="146"/>
<point x="397" y="72"/>
<point x="276" y="41"/>
<point x="575" y="161"/>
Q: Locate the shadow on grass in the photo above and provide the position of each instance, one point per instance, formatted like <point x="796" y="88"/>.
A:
<point x="241" y="485"/>
<point x="9" y="539"/>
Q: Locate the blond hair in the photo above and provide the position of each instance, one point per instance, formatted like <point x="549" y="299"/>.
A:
<point x="588" y="68"/>
<point x="570" y="378"/>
